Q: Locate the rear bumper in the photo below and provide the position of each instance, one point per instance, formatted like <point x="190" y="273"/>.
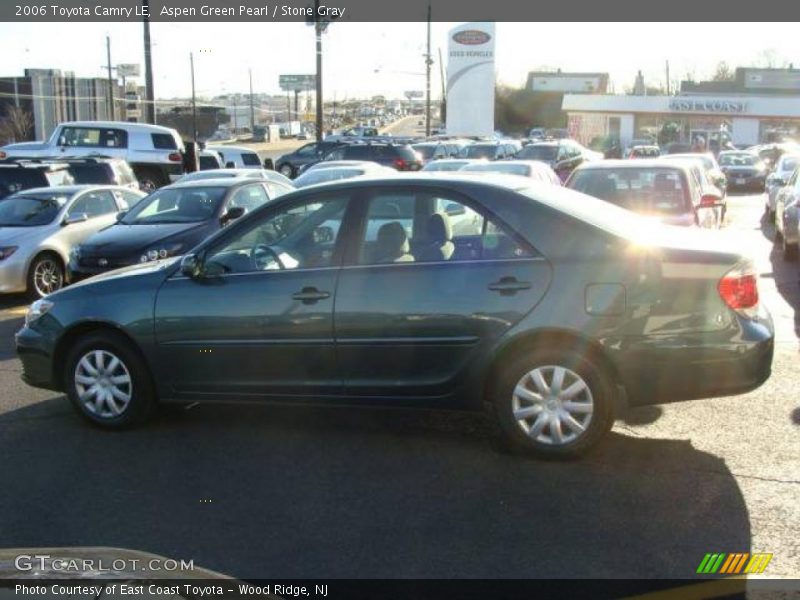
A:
<point x="738" y="183"/>
<point x="675" y="370"/>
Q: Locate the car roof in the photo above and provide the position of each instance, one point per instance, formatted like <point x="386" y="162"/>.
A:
<point x="510" y="182"/>
<point x="644" y="163"/>
<point x="226" y="147"/>
<point x="72" y="189"/>
<point x="212" y="182"/>
<point x="143" y="127"/>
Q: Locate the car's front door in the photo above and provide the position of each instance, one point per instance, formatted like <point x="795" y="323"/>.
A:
<point x="257" y="321"/>
<point x="431" y="284"/>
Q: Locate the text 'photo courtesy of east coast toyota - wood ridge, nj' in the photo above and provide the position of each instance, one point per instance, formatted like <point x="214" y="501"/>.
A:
<point x="362" y="300"/>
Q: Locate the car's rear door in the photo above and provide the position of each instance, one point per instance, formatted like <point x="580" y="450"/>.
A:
<point x="410" y="319"/>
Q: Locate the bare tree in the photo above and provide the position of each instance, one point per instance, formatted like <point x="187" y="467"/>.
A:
<point x="723" y="72"/>
<point x="16" y="125"/>
<point x="769" y="59"/>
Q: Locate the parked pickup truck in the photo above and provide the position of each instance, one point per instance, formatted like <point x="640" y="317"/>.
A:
<point x="156" y="154"/>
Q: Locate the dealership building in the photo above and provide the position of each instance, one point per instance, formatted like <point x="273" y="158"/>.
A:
<point x="757" y="106"/>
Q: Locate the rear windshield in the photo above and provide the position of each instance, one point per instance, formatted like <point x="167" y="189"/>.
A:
<point x="650" y="191"/>
<point x="208" y="162"/>
<point x="91" y="173"/>
<point x="789" y="164"/>
<point x="545" y="153"/>
<point x="163" y="141"/>
<point x="500" y="167"/>
<point x="738" y="160"/>
<point x="13" y="180"/>
<point x="481" y="151"/>
<point x="251" y="159"/>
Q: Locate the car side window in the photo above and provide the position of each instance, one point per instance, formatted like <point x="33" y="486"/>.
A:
<point x="308" y="150"/>
<point x="94" y="204"/>
<point x="302" y="236"/>
<point x="126" y="199"/>
<point x="80" y="136"/>
<point x="419" y="227"/>
<point x="248" y="197"/>
<point x="277" y="190"/>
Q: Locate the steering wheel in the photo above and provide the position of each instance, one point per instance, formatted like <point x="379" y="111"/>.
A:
<point x="259" y="255"/>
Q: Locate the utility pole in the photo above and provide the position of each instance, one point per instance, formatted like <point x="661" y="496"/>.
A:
<point x="235" y="116"/>
<point x="428" y="63"/>
<point x="252" y="108"/>
<point x="194" y="100"/>
<point x="318" y="35"/>
<point x="110" y="80"/>
<point x="149" y="95"/>
<point x="667" y="78"/>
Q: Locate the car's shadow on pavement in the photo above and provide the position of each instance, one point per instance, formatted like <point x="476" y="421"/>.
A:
<point x="786" y="274"/>
<point x="285" y="492"/>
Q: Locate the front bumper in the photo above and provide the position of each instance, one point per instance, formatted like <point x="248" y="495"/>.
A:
<point x="13" y="275"/>
<point x="35" y="354"/>
<point x="83" y="268"/>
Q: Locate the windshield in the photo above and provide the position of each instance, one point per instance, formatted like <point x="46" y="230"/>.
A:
<point x="647" y="191"/>
<point x="738" y="160"/>
<point x="30" y="211"/>
<point x="177" y="205"/>
<point x="481" y="151"/>
<point x="544" y="153"/>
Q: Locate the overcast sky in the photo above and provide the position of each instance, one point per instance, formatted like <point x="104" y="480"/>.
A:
<point x="363" y="59"/>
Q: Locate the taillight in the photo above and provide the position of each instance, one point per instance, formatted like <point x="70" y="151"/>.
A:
<point x="399" y="164"/>
<point x="175" y="157"/>
<point x="2" y="155"/>
<point x="739" y="288"/>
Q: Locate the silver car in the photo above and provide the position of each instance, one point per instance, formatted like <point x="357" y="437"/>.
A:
<point x="787" y="217"/>
<point x="787" y="164"/>
<point x="39" y="227"/>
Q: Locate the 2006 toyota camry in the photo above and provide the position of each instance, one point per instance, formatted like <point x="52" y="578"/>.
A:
<point x="547" y="306"/>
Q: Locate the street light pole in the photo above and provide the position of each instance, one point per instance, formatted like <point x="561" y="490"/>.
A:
<point x="318" y="34"/>
<point x="428" y="62"/>
<point x="110" y="80"/>
<point x="252" y="108"/>
<point x="150" y="106"/>
<point x="194" y="100"/>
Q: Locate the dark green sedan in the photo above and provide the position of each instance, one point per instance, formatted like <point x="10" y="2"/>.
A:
<point x="547" y="307"/>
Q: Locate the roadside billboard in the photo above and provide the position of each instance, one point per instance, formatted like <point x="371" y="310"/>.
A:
<point x="470" y="79"/>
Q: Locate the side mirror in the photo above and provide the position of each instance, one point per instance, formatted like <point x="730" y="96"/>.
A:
<point x="233" y="213"/>
<point x="454" y="209"/>
<point x="191" y="266"/>
<point x="709" y="201"/>
<point x="121" y="215"/>
<point x="323" y="234"/>
<point x="268" y="164"/>
<point x="78" y="218"/>
<point x="62" y="141"/>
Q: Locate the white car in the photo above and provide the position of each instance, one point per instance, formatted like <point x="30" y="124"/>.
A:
<point x="266" y="174"/>
<point x="316" y="176"/>
<point x="787" y="164"/>
<point x="532" y="169"/>
<point x="236" y="157"/>
<point x="787" y="217"/>
<point x="39" y="228"/>
<point x="154" y="153"/>
<point x="452" y="164"/>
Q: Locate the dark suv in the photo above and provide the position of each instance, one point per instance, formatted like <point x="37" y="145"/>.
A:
<point x="400" y="157"/>
<point x="290" y="164"/>
<point x="16" y="176"/>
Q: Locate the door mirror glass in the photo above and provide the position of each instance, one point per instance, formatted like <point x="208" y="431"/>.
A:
<point x="453" y="209"/>
<point x="234" y="212"/>
<point x="191" y="266"/>
<point x="323" y="234"/>
<point x="76" y="218"/>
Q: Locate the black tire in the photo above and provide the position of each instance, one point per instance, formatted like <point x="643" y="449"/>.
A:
<point x="596" y="380"/>
<point x="150" y="180"/>
<point x="287" y="170"/>
<point x="45" y="275"/>
<point x="789" y="250"/>
<point x="141" y="390"/>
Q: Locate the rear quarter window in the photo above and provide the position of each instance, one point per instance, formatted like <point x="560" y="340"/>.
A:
<point x="251" y="159"/>
<point x="163" y="141"/>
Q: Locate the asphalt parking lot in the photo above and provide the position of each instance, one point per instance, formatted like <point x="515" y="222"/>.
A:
<point x="285" y="492"/>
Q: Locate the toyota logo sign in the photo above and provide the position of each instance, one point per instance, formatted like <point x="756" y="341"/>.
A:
<point x="471" y="37"/>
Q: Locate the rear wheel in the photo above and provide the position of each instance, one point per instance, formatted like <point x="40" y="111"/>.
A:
<point x="553" y="403"/>
<point x="107" y="381"/>
<point x="45" y="276"/>
<point x="286" y="170"/>
<point x="789" y="250"/>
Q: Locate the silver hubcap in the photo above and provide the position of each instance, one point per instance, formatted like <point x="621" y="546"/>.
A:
<point x="286" y="170"/>
<point x="552" y="405"/>
<point x="47" y="277"/>
<point x="103" y="384"/>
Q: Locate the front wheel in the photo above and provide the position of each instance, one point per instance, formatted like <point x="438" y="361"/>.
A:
<point x="45" y="276"/>
<point x="789" y="250"/>
<point x="286" y="170"/>
<point x="553" y="403"/>
<point x="107" y="381"/>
